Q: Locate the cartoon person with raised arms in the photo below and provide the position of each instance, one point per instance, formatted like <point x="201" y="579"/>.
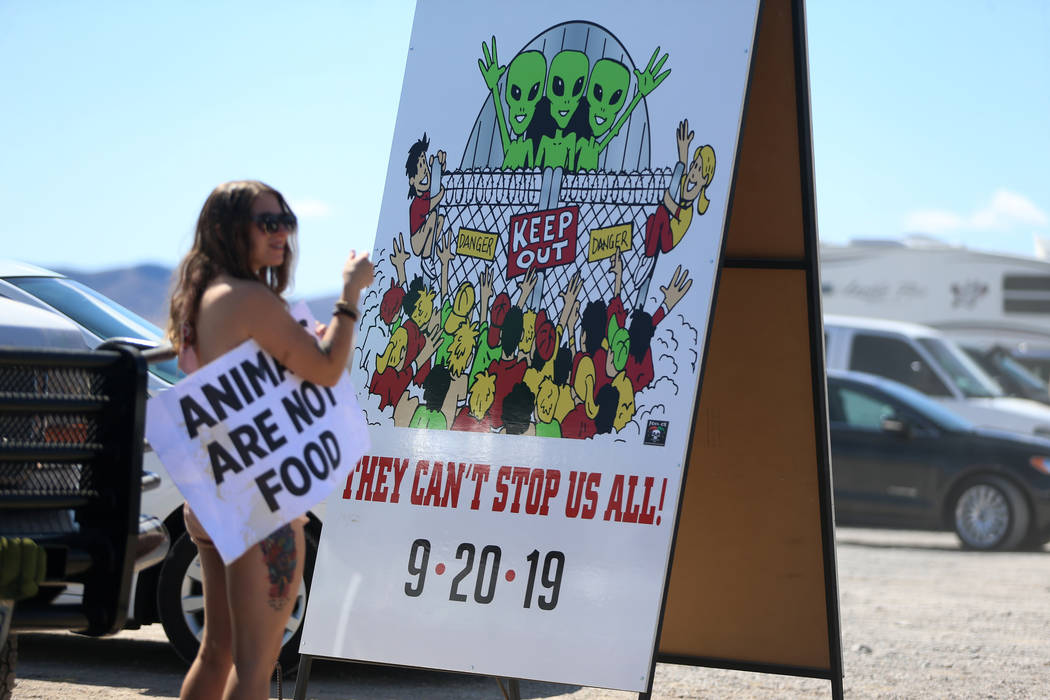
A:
<point x="425" y="223"/>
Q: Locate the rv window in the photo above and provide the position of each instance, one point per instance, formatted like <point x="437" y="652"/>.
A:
<point x="1028" y="294"/>
<point x="895" y="359"/>
<point x="972" y="381"/>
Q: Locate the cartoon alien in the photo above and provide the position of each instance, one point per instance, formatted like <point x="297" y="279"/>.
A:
<point x="606" y="94"/>
<point x="525" y="78"/>
<point x="566" y="80"/>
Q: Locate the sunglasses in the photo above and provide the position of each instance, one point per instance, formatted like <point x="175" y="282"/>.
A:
<point x="272" y="223"/>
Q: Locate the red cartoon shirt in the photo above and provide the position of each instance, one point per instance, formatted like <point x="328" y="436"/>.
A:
<point x="577" y="425"/>
<point x="417" y="212"/>
<point x="465" y="421"/>
<point x="507" y="374"/>
<point x="390" y="385"/>
<point x="658" y="231"/>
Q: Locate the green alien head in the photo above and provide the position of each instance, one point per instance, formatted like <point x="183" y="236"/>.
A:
<point x="606" y="93"/>
<point x="525" y="78"/>
<point x="565" y="83"/>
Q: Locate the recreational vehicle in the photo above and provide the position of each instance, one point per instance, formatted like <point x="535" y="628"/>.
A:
<point x="976" y="298"/>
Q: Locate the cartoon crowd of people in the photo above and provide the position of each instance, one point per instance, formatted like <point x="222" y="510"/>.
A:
<point x="485" y="363"/>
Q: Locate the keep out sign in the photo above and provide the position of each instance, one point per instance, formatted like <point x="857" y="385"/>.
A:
<point x="542" y="239"/>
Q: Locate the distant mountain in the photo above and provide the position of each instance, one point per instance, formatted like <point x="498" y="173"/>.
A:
<point x="142" y="288"/>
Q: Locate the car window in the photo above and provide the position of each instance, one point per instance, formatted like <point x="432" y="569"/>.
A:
<point x="895" y="359"/>
<point x="97" y="313"/>
<point x="1019" y="373"/>
<point x="972" y="381"/>
<point x="861" y="410"/>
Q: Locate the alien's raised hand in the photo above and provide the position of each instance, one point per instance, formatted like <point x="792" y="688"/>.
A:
<point x="491" y="70"/>
<point x="648" y="80"/>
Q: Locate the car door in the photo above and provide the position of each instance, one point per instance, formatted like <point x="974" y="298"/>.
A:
<point x="885" y="458"/>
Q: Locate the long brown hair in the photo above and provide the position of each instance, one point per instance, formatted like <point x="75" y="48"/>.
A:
<point x="222" y="245"/>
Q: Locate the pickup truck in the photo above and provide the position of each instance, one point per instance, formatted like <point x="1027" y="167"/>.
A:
<point x="71" y="444"/>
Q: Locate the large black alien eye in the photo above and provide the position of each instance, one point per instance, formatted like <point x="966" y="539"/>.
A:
<point x="597" y="92"/>
<point x="534" y="91"/>
<point x="515" y="92"/>
<point x="578" y="87"/>
<point x="558" y="86"/>
<point x="616" y="97"/>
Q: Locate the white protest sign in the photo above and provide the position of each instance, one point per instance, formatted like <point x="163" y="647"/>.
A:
<point x="531" y="350"/>
<point x="251" y="446"/>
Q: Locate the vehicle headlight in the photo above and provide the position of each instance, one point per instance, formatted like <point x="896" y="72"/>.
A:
<point x="1040" y="464"/>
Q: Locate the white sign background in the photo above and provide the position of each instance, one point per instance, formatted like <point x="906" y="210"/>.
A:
<point x="602" y="631"/>
<point x="235" y="513"/>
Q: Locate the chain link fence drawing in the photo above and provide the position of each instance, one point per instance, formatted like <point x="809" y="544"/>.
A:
<point x="485" y="200"/>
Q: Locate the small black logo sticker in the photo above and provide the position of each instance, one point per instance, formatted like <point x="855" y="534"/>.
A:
<point x="656" y="432"/>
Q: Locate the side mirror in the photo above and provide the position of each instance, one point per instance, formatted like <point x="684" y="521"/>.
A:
<point x="140" y="343"/>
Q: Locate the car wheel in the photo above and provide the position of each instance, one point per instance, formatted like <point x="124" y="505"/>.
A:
<point x="990" y="513"/>
<point x="8" y="659"/>
<point x="180" y="602"/>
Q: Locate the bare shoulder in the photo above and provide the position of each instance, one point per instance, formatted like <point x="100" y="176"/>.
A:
<point x="228" y="294"/>
<point x="230" y="308"/>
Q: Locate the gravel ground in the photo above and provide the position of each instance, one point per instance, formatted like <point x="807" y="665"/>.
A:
<point x="920" y="618"/>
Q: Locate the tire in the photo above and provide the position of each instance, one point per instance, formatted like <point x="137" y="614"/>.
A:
<point x="180" y="602"/>
<point x="8" y="658"/>
<point x="990" y="513"/>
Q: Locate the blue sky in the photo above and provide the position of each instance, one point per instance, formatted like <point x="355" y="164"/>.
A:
<point x="119" y="118"/>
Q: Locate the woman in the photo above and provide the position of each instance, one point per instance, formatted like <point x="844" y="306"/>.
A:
<point x="228" y="291"/>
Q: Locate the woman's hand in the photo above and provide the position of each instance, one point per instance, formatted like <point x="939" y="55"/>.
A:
<point x="358" y="273"/>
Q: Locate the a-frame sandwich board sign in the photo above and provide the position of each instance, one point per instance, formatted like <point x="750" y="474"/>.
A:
<point x="753" y="582"/>
<point x="530" y="356"/>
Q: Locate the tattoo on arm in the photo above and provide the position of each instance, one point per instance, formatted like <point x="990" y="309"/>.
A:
<point x="279" y="553"/>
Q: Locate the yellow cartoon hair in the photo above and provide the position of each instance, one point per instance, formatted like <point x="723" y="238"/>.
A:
<point x="461" y="349"/>
<point x="528" y="331"/>
<point x="706" y="154"/>
<point x="680" y="224"/>
<point x="394" y="351"/>
<point x="583" y="385"/>
<point x="546" y="401"/>
<point x="482" y="394"/>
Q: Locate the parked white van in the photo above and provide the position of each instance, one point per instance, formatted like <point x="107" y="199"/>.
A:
<point x="928" y="361"/>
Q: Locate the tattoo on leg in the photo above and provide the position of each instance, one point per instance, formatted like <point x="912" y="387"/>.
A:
<point x="279" y="554"/>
